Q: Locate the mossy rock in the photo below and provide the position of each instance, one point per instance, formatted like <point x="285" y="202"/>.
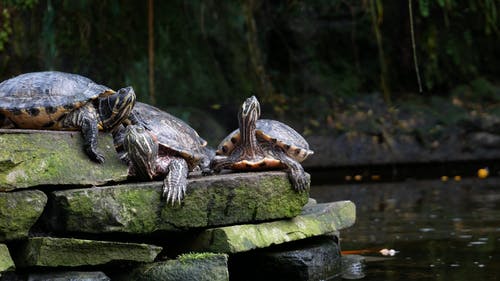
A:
<point x="315" y="220"/>
<point x="316" y="258"/>
<point x="54" y="252"/>
<point x="19" y="211"/>
<point x="210" y="201"/>
<point x="6" y="263"/>
<point x="40" y="158"/>
<point x="200" y="267"/>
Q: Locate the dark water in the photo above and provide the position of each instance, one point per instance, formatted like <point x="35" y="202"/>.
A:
<point x="439" y="230"/>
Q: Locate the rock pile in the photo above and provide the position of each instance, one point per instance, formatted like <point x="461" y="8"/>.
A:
<point x="63" y="217"/>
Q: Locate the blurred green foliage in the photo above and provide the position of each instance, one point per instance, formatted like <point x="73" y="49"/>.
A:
<point x="302" y="58"/>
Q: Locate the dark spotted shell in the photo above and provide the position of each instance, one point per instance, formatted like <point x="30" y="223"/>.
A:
<point x="172" y="133"/>
<point x="31" y="100"/>
<point x="275" y="132"/>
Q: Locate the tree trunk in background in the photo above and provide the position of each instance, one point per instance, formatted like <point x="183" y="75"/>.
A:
<point x="151" y="53"/>
<point x="266" y="88"/>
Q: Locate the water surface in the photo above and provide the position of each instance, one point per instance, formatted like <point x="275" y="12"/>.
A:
<point x="439" y="230"/>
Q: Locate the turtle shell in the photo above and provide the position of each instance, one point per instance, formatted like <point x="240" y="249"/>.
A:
<point x="173" y="134"/>
<point x="38" y="99"/>
<point x="271" y="131"/>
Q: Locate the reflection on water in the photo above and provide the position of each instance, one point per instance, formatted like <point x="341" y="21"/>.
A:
<point x="441" y="230"/>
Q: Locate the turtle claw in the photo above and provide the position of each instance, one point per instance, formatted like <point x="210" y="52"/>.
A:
<point x="175" y="183"/>
<point x="174" y="194"/>
<point x="300" y="181"/>
<point x="95" y="156"/>
<point x="99" y="158"/>
<point x="300" y="184"/>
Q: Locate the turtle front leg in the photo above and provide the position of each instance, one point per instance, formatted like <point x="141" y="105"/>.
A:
<point x="85" y="118"/>
<point x="296" y="173"/>
<point x="90" y="131"/>
<point x="175" y="183"/>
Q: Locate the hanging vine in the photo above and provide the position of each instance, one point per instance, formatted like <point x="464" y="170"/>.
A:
<point x="413" y="46"/>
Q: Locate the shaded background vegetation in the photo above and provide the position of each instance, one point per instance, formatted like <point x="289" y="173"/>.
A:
<point x="305" y="60"/>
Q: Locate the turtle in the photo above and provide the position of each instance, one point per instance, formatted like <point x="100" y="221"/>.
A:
<point x="263" y="144"/>
<point x="163" y="147"/>
<point x="56" y="100"/>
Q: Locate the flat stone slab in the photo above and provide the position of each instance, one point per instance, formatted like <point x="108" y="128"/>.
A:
<point x="187" y="267"/>
<point x="19" y="211"/>
<point x="6" y="263"/>
<point x="53" y="252"/>
<point x="36" y="157"/>
<point x="315" y="220"/>
<point x="210" y="201"/>
<point x="69" y="276"/>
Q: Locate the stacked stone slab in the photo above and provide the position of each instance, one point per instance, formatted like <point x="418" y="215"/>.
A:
<point x="61" y="213"/>
<point x="315" y="220"/>
<point x="32" y="158"/>
<point x="137" y="208"/>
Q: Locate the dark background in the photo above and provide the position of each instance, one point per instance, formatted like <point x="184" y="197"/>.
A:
<point x="307" y="61"/>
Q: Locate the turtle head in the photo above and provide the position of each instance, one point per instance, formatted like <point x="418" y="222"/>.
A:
<point x="249" y="112"/>
<point x="142" y="150"/>
<point x="115" y="108"/>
